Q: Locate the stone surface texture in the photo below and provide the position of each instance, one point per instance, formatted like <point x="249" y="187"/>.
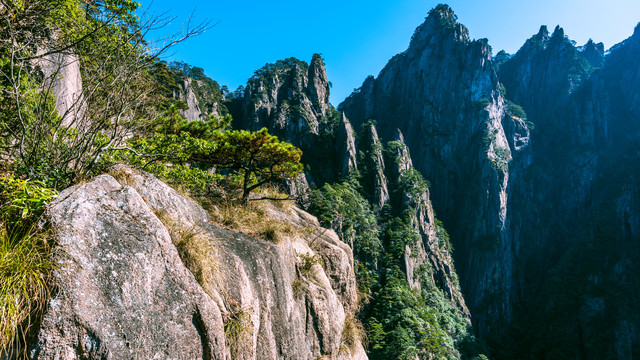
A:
<point x="125" y="292"/>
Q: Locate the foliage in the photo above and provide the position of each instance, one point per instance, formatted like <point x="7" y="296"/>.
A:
<point x="482" y="104"/>
<point x="401" y="322"/>
<point x="264" y="79"/>
<point x="500" y="58"/>
<point x="501" y="159"/>
<point x="307" y="263"/>
<point x="41" y="39"/>
<point x="341" y="207"/>
<point x="409" y="327"/>
<point x="443" y="236"/>
<point x="22" y="201"/>
<point x="25" y="261"/>
<point x="258" y="156"/>
<point x="25" y="269"/>
<point x="237" y="329"/>
<point x="268" y="71"/>
<point x="185" y="154"/>
<point x="405" y="322"/>
<point x="516" y="110"/>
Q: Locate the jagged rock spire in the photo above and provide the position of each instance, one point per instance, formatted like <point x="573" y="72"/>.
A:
<point x="346" y="147"/>
<point x="318" y="85"/>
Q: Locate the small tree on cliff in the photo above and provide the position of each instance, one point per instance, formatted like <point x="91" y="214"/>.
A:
<point x="259" y="157"/>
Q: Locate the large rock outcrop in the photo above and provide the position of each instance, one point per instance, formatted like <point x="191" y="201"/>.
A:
<point x="573" y="208"/>
<point x="62" y="73"/>
<point x="432" y="249"/>
<point x="145" y="274"/>
<point x="202" y="97"/>
<point x="291" y="99"/>
<point x="443" y="94"/>
<point x="188" y="96"/>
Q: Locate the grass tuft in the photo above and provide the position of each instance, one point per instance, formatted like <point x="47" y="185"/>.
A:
<point x="25" y="274"/>
<point x="196" y="250"/>
<point x="252" y="219"/>
<point x="237" y="329"/>
<point x="352" y="333"/>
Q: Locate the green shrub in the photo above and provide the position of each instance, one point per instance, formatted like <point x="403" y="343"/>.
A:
<point x="22" y="200"/>
<point x="237" y="329"/>
<point x="25" y="258"/>
<point x="307" y="263"/>
<point x="482" y="104"/>
<point x="516" y="110"/>
<point x="342" y="208"/>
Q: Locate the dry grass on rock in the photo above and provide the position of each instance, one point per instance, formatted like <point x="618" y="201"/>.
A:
<point x="255" y="218"/>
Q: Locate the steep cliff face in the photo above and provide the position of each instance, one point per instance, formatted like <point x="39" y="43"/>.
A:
<point x="366" y="185"/>
<point x="62" y="71"/>
<point x="193" y="111"/>
<point x="145" y="274"/>
<point x="433" y="249"/>
<point x="575" y="205"/>
<point x="407" y="279"/>
<point x="291" y="99"/>
<point x="373" y="174"/>
<point x="202" y="95"/>
<point x="444" y="94"/>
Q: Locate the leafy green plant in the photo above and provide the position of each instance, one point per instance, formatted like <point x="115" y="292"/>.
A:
<point x="501" y="159"/>
<point x="307" y="264"/>
<point x="22" y="201"/>
<point x="516" y="110"/>
<point x="482" y="104"/>
<point x="248" y="159"/>
<point x="117" y="98"/>
<point x="25" y="258"/>
<point x="297" y="287"/>
<point x="342" y="208"/>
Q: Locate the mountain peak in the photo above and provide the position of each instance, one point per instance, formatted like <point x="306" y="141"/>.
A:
<point x="443" y="13"/>
<point x="542" y="37"/>
<point x="543" y="32"/>
<point x="443" y="20"/>
<point x="593" y="52"/>
<point x="558" y="32"/>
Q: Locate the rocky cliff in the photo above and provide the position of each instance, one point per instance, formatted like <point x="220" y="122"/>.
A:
<point x="146" y="274"/>
<point x="549" y="185"/>
<point x="530" y="161"/>
<point x="202" y="96"/>
<point x="574" y="206"/>
<point x="291" y="99"/>
<point x="444" y="93"/>
<point x="64" y="80"/>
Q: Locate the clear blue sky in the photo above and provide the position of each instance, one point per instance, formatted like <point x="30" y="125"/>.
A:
<point x="357" y="38"/>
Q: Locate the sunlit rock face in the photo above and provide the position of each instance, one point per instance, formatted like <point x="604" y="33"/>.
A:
<point x="125" y="290"/>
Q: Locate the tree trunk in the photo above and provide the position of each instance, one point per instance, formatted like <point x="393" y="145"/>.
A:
<point x="245" y="186"/>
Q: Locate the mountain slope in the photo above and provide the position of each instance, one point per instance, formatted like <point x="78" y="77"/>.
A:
<point x="580" y="197"/>
<point x="444" y="93"/>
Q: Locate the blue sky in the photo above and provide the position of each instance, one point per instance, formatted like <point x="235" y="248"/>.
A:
<point x="357" y="38"/>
